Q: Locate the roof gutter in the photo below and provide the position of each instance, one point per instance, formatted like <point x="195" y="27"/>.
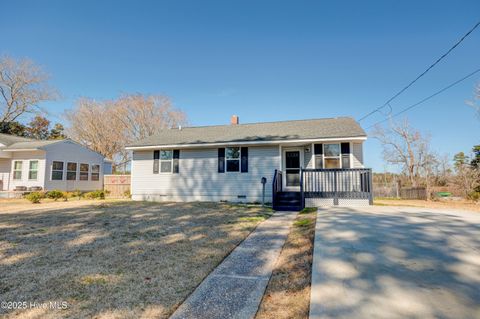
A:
<point x="283" y="142"/>
<point x="21" y="149"/>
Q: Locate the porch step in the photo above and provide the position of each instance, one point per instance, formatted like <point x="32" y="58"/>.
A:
<point x="289" y="195"/>
<point x="288" y="208"/>
<point x="286" y="201"/>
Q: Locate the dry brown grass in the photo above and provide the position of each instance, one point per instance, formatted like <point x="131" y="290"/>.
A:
<point x="442" y="204"/>
<point x="115" y="260"/>
<point x="21" y="204"/>
<point x="288" y="291"/>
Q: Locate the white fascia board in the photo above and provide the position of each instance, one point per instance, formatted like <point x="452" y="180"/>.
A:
<point x="21" y="149"/>
<point x="180" y="146"/>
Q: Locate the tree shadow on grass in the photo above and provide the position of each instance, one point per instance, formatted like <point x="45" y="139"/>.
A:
<point x="124" y="259"/>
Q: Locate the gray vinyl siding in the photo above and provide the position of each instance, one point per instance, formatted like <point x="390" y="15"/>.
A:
<point x="357" y="155"/>
<point x="5" y="173"/>
<point x="199" y="179"/>
<point x="67" y="151"/>
<point x="25" y="157"/>
<point x="308" y="156"/>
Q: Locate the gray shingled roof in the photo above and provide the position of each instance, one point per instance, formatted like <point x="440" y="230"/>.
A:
<point x="16" y="142"/>
<point x="341" y="127"/>
<point x="7" y="139"/>
<point x="34" y="144"/>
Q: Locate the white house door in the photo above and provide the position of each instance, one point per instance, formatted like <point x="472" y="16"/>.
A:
<point x="292" y="160"/>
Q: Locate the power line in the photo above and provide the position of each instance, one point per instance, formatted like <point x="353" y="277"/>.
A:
<point x="423" y="73"/>
<point x="427" y="98"/>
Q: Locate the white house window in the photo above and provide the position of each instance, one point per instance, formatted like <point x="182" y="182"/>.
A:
<point x="84" y="172"/>
<point x="57" y="171"/>
<point x="95" y="172"/>
<point x="331" y="155"/>
<point x="33" y="170"/>
<point x="71" y="171"/>
<point x="232" y="157"/>
<point x="166" y="158"/>
<point x="17" y="170"/>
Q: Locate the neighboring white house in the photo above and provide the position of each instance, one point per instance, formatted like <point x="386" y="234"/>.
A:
<point x="53" y="164"/>
<point x="227" y="162"/>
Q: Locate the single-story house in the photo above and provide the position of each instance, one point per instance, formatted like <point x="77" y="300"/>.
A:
<point x="304" y="163"/>
<point x="28" y="164"/>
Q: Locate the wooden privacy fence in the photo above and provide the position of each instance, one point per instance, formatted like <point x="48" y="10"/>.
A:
<point x="413" y="193"/>
<point x="394" y="191"/>
<point x="117" y="185"/>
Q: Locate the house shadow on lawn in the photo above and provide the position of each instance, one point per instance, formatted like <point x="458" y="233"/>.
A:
<point x="385" y="262"/>
<point x="128" y="259"/>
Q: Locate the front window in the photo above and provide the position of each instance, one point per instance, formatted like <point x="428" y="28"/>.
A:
<point x="232" y="157"/>
<point x="166" y="158"/>
<point x="17" y="170"/>
<point x="71" y="171"/>
<point x="57" y="171"/>
<point x="332" y="155"/>
<point x="84" y="172"/>
<point x="33" y="170"/>
<point x="95" y="172"/>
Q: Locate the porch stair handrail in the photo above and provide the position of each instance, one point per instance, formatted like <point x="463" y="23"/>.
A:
<point x="276" y="186"/>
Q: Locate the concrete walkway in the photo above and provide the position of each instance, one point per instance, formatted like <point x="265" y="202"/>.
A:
<point x="396" y="262"/>
<point x="235" y="288"/>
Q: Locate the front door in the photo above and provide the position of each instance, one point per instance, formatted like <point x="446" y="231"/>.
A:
<point x="292" y="170"/>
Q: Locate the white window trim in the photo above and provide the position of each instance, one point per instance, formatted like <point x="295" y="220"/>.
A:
<point x="29" y="170"/>
<point x="91" y="172"/>
<point x="234" y="159"/>
<point x="57" y="170"/>
<point x="77" y="172"/>
<point x="80" y="172"/>
<point x="160" y="162"/>
<point x="16" y="170"/>
<point x="339" y="157"/>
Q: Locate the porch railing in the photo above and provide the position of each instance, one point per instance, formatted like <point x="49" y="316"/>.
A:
<point x="344" y="183"/>
<point x="276" y="185"/>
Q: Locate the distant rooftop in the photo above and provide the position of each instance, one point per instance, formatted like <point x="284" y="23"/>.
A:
<point x="17" y="142"/>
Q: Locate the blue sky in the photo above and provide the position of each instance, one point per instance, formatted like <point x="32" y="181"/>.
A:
<point x="262" y="60"/>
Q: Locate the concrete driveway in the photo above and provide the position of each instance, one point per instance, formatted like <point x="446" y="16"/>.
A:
<point x="396" y="262"/>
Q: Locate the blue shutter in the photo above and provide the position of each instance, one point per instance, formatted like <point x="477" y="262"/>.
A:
<point x="176" y="161"/>
<point x="221" y="160"/>
<point x="244" y="164"/>
<point x="156" y="157"/>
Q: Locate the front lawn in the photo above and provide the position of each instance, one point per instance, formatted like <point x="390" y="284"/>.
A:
<point x="115" y="260"/>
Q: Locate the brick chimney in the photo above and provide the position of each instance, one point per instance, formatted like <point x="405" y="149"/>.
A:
<point x="234" y="120"/>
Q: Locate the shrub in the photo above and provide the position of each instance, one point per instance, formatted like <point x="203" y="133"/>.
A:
<point x="475" y="196"/>
<point x="35" y="197"/>
<point x="98" y="194"/>
<point x="77" y="193"/>
<point x="127" y="194"/>
<point x="55" y="194"/>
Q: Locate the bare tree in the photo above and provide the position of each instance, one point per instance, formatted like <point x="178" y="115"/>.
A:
<point x="90" y="123"/>
<point x="467" y="179"/>
<point x="108" y="126"/>
<point x="23" y="86"/>
<point x="407" y="147"/>
<point x="475" y="102"/>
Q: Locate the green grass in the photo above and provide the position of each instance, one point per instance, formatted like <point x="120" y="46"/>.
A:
<point x="302" y="222"/>
<point x="308" y="210"/>
<point x="252" y="219"/>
